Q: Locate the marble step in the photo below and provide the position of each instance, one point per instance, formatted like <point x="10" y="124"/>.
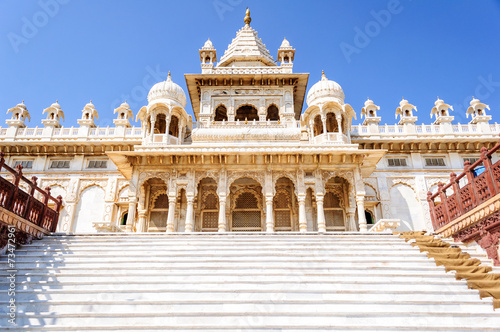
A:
<point x="264" y="318"/>
<point x="301" y="283"/>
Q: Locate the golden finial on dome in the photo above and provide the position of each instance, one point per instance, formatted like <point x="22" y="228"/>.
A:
<point x="247" y="19"/>
<point x="323" y="76"/>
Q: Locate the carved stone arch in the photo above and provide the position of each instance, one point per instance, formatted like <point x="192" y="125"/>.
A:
<point x="339" y="193"/>
<point x="164" y="176"/>
<point x="122" y="186"/>
<point x="199" y="176"/>
<point x="246" y="102"/>
<point x="155" y="196"/>
<point x="87" y="184"/>
<point x="377" y="196"/>
<point x="286" y="193"/>
<point x="347" y="175"/>
<point x="254" y="115"/>
<point x="237" y="194"/>
<point x="407" y="183"/>
<point x="288" y="175"/>
<point x="205" y="195"/>
<point x="233" y="176"/>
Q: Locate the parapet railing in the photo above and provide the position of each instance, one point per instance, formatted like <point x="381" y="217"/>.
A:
<point x="424" y="130"/>
<point x="249" y="123"/>
<point x="25" y="205"/>
<point x="474" y="186"/>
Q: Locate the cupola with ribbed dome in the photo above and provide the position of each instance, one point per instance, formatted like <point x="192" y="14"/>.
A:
<point x="370" y="113"/>
<point x="323" y="91"/>
<point x="89" y="114"/>
<point x="54" y="114"/>
<point x="123" y="114"/>
<point x="477" y="110"/>
<point x="442" y="112"/>
<point x="167" y="91"/>
<point x="19" y="114"/>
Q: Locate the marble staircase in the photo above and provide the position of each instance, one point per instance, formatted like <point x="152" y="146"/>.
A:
<point x="243" y="281"/>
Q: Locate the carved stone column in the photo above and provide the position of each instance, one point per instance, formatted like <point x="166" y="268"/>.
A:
<point x="323" y="120"/>
<point x="222" y="214"/>
<point x="302" y="213"/>
<point x="171" y="214"/>
<point x="190" y="214"/>
<point x="141" y="227"/>
<point x="360" y="202"/>
<point x="351" y="222"/>
<point x="321" y="212"/>
<point x="179" y="137"/>
<point x="339" y="124"/>
<point x="269" y="214"/>
<point x="132" y="206"/>
<point x="153" y="121"/>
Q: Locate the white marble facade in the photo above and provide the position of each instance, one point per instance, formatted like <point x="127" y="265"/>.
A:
<point x="252" y="158"/>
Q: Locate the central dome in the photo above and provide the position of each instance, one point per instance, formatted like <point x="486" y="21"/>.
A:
<point x="167" y="90"/>
<point x="325" y="89"/>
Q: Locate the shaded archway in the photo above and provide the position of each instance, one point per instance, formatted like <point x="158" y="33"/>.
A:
<point x="246" y="205"/>
<point x="220" y="113"/>
<point x="156" y="204"/>
<point x="332" y="125"/>
<point x="173" y="129"/>
<point x="273" y="113"/>
<point x="318" y="125"/>
<point x="246" y="113"/>
<point x="160" y="124"/>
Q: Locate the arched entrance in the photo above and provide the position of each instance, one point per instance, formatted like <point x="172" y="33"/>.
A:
<point x="335" y="204"/>
<point x="208" y="212"/>
<point x="285" y="206"/>
<point x="246" y="113"/>
<point x="156" y="205"/>
<point x="246" y="205"/>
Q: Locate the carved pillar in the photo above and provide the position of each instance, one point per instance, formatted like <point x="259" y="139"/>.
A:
<point x="321" y="212"/>
<point x="323" y="121"/>
<point x="190" y="214"/>
<point x="171" y="214"/>
<point x="351" y="222"/>
<point x="132" y="205"/>
<point x="339" y="123"/>
<point x="269" y="214"/>
<point x="302" y="212"/>
<point x="179" y="138"/>
<point x="153" y="121"/>
<point x="141" y="227"/>
<point x="222" y="214"/>
<point x="360" y="201"/>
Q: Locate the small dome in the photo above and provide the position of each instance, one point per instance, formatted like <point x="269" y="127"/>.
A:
<point x="474" y="101"/>
<point x="90" y="105"/>
<point x="167" y="90"/>
<point x="403" y="102"/>
<point x="368" y="102"/>
<point x="125" y="105"/>
<point x="285" y="43"/>
<point x="208" y="45"/>
<point x="56" y="104"/>
<point x="325" y="89"/>
<point x="438" y="102"/>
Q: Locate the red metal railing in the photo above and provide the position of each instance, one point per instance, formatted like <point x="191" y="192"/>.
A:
<point x="479" y="187"/>
<point x="25" y="205"/>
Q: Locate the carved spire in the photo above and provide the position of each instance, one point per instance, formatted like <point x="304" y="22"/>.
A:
<point x="247" y="19"/>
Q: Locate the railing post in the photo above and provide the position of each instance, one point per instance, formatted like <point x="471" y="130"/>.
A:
<point x="431" y="209"/>
<point x="488" y="170"/>
<point x="46" y="194"/>
<point x="470" y="180"/>
<point x="57" y="209"/>
<point x="2" y="160"/>
<point x="456" y="191"/>
<point x="31" y="197"/>
<point x="442" y="195"/>
<point x="17" y="178"/>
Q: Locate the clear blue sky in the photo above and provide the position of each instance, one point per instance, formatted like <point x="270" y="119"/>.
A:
<point x="106" y="50"/>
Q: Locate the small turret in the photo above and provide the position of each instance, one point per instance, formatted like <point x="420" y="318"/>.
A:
<point x="208" y="56"/>
<point x="19" y="115"/>
<point x="286" y="54"/>
<point x="89" y="114"/>
<point x="372" y="120"/>
<point x="54" y="114"/>
<point x="124" y="113"/>
<point x="405" y="111"/>
<point x="477" y="110"/>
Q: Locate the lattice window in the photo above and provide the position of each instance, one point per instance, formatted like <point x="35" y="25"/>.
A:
<point x="282" y="212"/>
<point x="334" y="213"/>
<point x="210" y="213"/>
<point x="246" y="214"/>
